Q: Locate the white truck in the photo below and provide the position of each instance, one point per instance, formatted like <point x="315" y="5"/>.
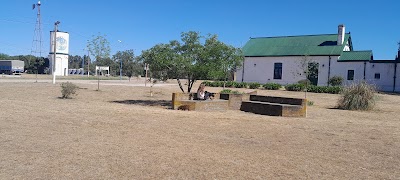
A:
<point x="11" y="66"/>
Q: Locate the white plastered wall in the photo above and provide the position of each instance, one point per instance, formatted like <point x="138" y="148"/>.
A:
<point x="61" y="64"/>
<point x="261" y="69"/>
<point x="386" y="80"/>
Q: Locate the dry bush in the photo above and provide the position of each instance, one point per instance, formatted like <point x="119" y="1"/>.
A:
<point x="68" y="89"/>
<point x="359" y="96"/>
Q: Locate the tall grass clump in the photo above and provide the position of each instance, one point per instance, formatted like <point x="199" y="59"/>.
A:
<point x="68" y="89"/>
<point x="359" y="96"/>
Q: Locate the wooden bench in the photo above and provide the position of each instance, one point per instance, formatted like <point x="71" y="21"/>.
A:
<point x="204" y="105"/>
<point x="185" y="100"/>
<point x="275" y="106"/>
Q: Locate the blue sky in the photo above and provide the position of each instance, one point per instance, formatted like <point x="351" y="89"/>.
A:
<point x="374" y="25"/>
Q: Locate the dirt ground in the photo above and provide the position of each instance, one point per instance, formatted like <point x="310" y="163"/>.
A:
<point x="120" y="132"/>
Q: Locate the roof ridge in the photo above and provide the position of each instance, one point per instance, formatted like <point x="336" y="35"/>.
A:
<point x="359" y="51"/>
<point x="293" y="36"/>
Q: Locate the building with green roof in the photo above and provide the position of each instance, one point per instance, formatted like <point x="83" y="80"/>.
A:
<point x="289" y="59"/>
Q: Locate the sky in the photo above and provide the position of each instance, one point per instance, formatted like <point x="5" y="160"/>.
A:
<point x="139" y="25"/>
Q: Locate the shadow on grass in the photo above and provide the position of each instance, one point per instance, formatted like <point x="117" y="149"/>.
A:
<point x="163" y="103"/>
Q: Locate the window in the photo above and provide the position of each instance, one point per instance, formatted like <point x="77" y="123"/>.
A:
<point x="278" y="71"/>
<point x="377" y="76"/>
<point x="350" y="75"/>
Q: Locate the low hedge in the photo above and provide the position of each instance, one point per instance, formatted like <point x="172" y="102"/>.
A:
<point x="324" y="89"/>
<point x="272" y="86"/>
<point x="241" y="85"/>
<point x="295" y="87"/>
<point x="314" y="89"/>
<point x="276" y="86"/>
<point x="254" y="85"/>
<point x="229" y="91"/>
<point x="232" y="84"/>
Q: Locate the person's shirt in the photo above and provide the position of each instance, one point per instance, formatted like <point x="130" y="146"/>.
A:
<point x="200" y="95"/>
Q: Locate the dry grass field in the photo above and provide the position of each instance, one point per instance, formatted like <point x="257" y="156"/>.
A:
<point x="121" y="132"/>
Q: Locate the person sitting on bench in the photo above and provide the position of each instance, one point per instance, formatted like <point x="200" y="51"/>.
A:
<point x="202" y="94"/>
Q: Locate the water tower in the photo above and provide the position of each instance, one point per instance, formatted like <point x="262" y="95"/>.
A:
<point x="62" y="52"/>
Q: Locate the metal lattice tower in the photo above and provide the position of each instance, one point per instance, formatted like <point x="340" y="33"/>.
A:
<point x="36" y="49"/>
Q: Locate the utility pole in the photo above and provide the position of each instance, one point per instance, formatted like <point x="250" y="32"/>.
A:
<point x="120" y="70"/>
<point x="146" y="68"/>
<point x="55" y="51"/>
<point x="88" y="71"/>
<point x="83" y="63"/>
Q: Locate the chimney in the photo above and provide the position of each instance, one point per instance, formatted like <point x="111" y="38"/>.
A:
<point x="398" y="52"/>
<point x="341" y="32"/>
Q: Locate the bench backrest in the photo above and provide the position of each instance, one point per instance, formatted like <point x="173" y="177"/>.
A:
<point x="280" y="100"/>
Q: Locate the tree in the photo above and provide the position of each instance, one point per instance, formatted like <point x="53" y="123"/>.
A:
<point x="4" y="56"/>
<point x="131" y="65"/>
<point x="99" y="47"/>
<point x="191" y="59"/>
<point x="165" y="61"/>
<point x="223" y="57"/>
<point x="75" y="62"/>
<point x="308" y="69"/>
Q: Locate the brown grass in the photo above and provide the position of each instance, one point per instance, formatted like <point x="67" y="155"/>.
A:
<point x="121" y="132"/>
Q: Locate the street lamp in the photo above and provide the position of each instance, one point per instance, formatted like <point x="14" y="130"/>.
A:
<point x="55" y="50"/>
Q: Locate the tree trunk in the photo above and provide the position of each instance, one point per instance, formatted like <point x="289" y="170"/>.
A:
<point x="180" y="85"/>
<point x="190" y="85"/>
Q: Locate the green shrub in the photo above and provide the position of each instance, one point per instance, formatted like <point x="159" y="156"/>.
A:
<point x="212" y="84"/>
<point x="359" y="96"/>
<point x="272" y="86"/>
<point x="229" y="84"/>
<point x="324" y="89"/>
<point x="295" y="87"/>
<point x="216" y="84"/>
<point x="254" y="85"/>
<point x="241" y="85"/>
<point x="207" y="83"/>
<point x="68" y="89"/>
<point x="334" y="89"/>
<point x="305" y="82"/>
<point x="335" y="81"/>
<point x="220" y="83"/>
<point x="310" y="103"/>
<point x="229" y="91"/>
<point x="226" y="91"/>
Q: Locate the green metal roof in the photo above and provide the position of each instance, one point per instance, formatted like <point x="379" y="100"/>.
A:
<point x="312" y="45"/>
<point x="356" y="56"/>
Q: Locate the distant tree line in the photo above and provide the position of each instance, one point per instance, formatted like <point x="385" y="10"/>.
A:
<point x="193" y="57"/>
<point x="131" y="64"/>
<point x="32" y="63"/>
